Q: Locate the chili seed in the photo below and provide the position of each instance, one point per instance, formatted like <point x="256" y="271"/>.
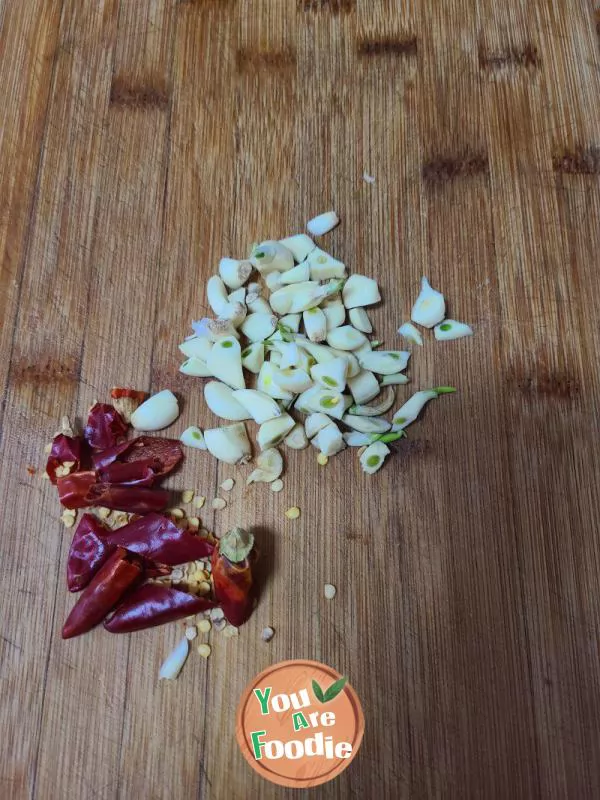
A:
<point x="187" y="496"/>
<point x="322" y="459"/>
<point x="218" y="503"/>
<point x="204" y="650"/>
<point x="204" y="626"/>
<point x="293" y="513"/>
<point x="330" y="591"/>
<point x="199" y="501"/>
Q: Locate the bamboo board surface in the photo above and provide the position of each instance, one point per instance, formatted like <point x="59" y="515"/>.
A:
<point x="139" y="142"/>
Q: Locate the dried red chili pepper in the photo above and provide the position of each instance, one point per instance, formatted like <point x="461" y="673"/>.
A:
<point x="160" y="454"/>
<point x="64" y="449"/>
<point x="89" y="550"/>
<point x="157" y="538"/>
<point x="140" y="473"/>
<point x="81" y="489"/>
<point x="118" y="393"/>
<point x="105" y="426"/>
<point x="232" y="575"/>
<point x="153" y="604"/>
<point x="108" y="586"/>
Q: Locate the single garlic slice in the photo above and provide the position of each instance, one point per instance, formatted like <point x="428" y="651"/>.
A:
<point x="329" y="402"/>
<point x="345" y="338"/>
<point x="297" y="275"/>
<point x="315" y="324"/>
<point x="269" y="467"/>
<point x="382" y="404"/>
<point x="291" y="355"/>
<point x="234" y="273"/>
<point x="195" y="367"/>
<point x="314" y="423"/>
<point x="353" y="366"/>
<point x="331" y="375"/>
<point x="329" y="440"/>
<point x="373" y="457"/>
<point x="253" y="357"/>
<point x="196" y="347"/>
<point x="229" y="443"/>
<point x="273" y="281"/>
<point x="360" y="291"/>
<point x="172" y="665"/>
<point x="451" y="329"/>
<point x="323" y="223"/>
<point x="360" y="320"/>
<point x="156" y="413"/>
<point x="258" y="327"/>
<point x="363" y="387"/>
<point x="281" y="300"/>
<point x="430" y="306"/>
<point x="258" y="305"/>
<point x="307" y="297"/>
<point x="296" y="438"/>
<point x="367" y="424"/>
<point x="335" y="312"/>
<point x="234" y="312"/>
<point x="412" y="408"/>
<point x="393" y="380"/>
<point x="323" y="266"/>
<point x="410" y="333"/>
<point x="216" y="294"/>
<point x="271" y="433"/>
<point x="221" y="400"/>
<point x="292" y="379"/>
<point x="299" y="245"/>
<point x="192" y="437"/>
<point x="384" y="362"/>
<point x="266" y="382"/>
<point x="270" y="256"/>
<point x="260" y="406"/>
<point x="320" y="352"/>
<point x="237" y="296"/>
<point x="225" y="362"/>
<point x="291" y="321"/>
<point x="357" y="439"/>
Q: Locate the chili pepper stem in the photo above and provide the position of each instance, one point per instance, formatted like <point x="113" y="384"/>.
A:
<point x="236" y="544"/>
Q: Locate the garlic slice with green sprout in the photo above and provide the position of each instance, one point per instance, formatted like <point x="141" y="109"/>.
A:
<point x="221" y="400"/>
<point x="335" y="312"/>
<point x="373" y="457"/>
<point x="292" y="379"/>
<point x="196" y="347"/>
<point x="234" y="273"/>
<point x="360" y="291"/>
<point x="258" y="327"/>
<point x="323" y="266"/>
<point x="322" y="224"/>
<point x="329" y="440"/>
<point x="271" y="256"/>
<point x="380" y="405"/>
<point x="195" y="367"/>
<point x="410" y="333"/>
<point x="291" y="321"/>
<point x="363" y="387"/>
<point x="253" y="357"/>
<point x="296" y="438"/>
<point x="260" y="406"/>
<point x="385" y="362"/>
<point x="299" y="274"/>
<point x="331" y="375"/>
<point x="345" y="338"/>
<point x="229" y="443"/>
<point x="367" y="424"/>
<point x="299" y="245"/>
<point x="216" y="294"/>
<point x="395" y="379"/>
<point x="281" y="300"/>
<point x="315" y="324"/>
<point x="314" y="423"/>
<point x="410" y="411"/>
<point x="359" y="319"/>
<point x="329" y="402"/>
<point x="156" y="413"/>
<point x="304" y="400"/>
<point x="269" y="466"/>
<point x="271" y="433"/>
<point x="225" y="362"/>
<point x="430" y="306"/>
<point x="451" y="329"/>
<point x="192" y="437"/>
<point x="172" y="665"/>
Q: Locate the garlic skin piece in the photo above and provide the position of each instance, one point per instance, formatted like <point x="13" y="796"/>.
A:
<point x="359" y="319"/>
<point x="195" y="367"/>
<point x="314" y="423"/>
<point x="331" y="375"/>
<point x="363" y="387"/>
<point x="225" y="362"/>
<point x="385" y="362"/>
<point x="451" y="329"/>
<point x="221" y="400"/>
<point x="258" y="327"/>
<point x="323" y="266"/>
<point x="271" y="256"/>
<point x="329" y="440"/>
<point x="234" y="273"/>
<point x="192" y="437"/>
<point x="216" y="294"/>
<point x="172" y="665"/>
<point x="367" y="424"/>
<point x="253" y="357"/>
<point x="266" y="382"/>
<point x="259" y="406"/>
<point x="299" y="245"/>
<point x="271" y="433"/>
<point x="156" y="413"/>
<point x="315" y="324"/>
<point x="229" y="443"/>
<point x="409" y="412"/>
<point x="430" y="306"/>
<point x="299" y="274"/>
<point x="395" y="379"/>
<point x="373" y="457"/>
<point x="410" y="333"/>
<point x="345" y="338"/>
<point x="269" y="467"/>
<point x="196" y="347"/>
<point x="360" y="291"/>
<point x="296" y="438"/>
<point x="292" y="379"/>
<point x="335" y="313"/>
<point x="322" y="224"/>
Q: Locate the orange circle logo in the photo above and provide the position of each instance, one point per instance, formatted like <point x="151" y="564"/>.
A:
<point x="299" y="723"/>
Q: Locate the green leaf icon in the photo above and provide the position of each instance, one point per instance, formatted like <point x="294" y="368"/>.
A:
<point x="335" y="688"/>
<point x="318" y="691"/>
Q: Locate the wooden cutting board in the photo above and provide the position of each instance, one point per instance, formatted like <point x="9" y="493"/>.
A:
<point x="142" y="141"/>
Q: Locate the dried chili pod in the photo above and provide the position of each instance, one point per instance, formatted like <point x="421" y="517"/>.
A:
<point x="88" y="552"/>
<point x="160" y="454"/>
<point x="232" y="575"/>
<point x="82" y="489"/>
<point x="139" y="473"/>
<point x="108" y="586"/>
<point x="157" y="538"/>
<point x="105" y="426"/>
<point x="153" y="604"/>
<point x="65" y="449"/>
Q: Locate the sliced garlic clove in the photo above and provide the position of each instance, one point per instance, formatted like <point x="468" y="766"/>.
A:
<point x="271" y="256"/>
<point x="360" y="291"/>
<point x="269" y="467"/>
<point x="451" y="329"/>
<point x="234" y="273"/>
<point x="345" y="338"/>
<point x="216" y="294"/>
<point x="322" y="224"/>
<point x="196" y="347"/>
<point x="323" y="266"/>
<point x="367" y="424"/>
<point x="253" y="357"/>
<point x="296" y="438"/>
<point x="221" y="400"/>
<point x="357" y="439"/>
<point x="266" y="383"/>
<point x="307" y="297"/>
<point x="195" y="367"/>
<point x="229" y="443"/>
<point x="258" y="405"/>
<point x="273" y="281"/>
<point x="258" y="327"/>
<point x="353" y="366"/>
<point x="192" y="437"/>
<point x="314" y="423"/>
<point x="335" y="313"/>
<point x="292" y="379"/>
<point x="221" y="329"/>
<point x="385" y="362"/>
<point x="410" y="333"/>
<point x="238" y="296"/>
<point x="258" y="305"/>
<point x="299" y="274"/>
<point x="430" y="306"/>
<point x="363" y="387"/>
<point x="329" y="440"/>
<point x="235" y="313"/>
<point x="409" y="412"/>
<point x="329" y="402"/>
<point x="331" y="375"/>
<point x="383" y="404"/>
<point x="290" y="354"/>
<point x="299" y="245"/>
<point x="156" y="413"/>
<point x="225" y="362"/>
<point x="281" y="300"/>
<point x="320" y="352"/>
<point x="373" y="457"/>
<point x="315" y="324"/>
<point x="271" y="433"/>
<point x="172" y="665"/>
<point x="291" y="321"/>
<point x="393" y="380"/>
<point x="360" y="320"/>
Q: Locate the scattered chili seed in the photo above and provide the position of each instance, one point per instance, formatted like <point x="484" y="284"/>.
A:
<point x="103" y="512"/>
<point x="231" y="630"/>
<point x="218" y="503"/>
<point x="203" y="588"/>
<point x="277" y="486"/>
<point x="293" y="513"/>
<point x="191" y="633"/>
<point x="228" y="484"/>
<point x="199" y="501"/>
<point x="322" y="459"/>
<point x="177" y="574"/>
<point x="178" y="513"/>
<point x="330" y="591"/>
<point x="193" y="523"/>
<point x="216" y="614"/>
<point x="48" y="448"/>
<point x="220" y="624"/>
<point x="204" y="650"/>
<point x="204" y="626"/>
<point x="267" y="634"/>
<point x="187" y="496"/>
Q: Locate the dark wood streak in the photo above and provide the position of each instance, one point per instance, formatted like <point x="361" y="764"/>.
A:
<point x="249" y="60"/>
<point x="125" y="93"/>
<point x="388" y="46"/>
<point x="582" y="161"/>
<point x="333" y="6"/>
<point x="44" y="372"/>
<point x="556" y="385"/>
<point x="449" y="168"/>
<point x="526" y="57"/>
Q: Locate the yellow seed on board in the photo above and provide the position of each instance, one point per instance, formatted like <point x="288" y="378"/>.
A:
<point x="204" y="650"/>
<point x="322" y="459"/>
<point x="204" y="626"/>
<point x="193" y="523"/>
<point x="187" y="496"/>
<point x="177" y="513"/>
<point x="228" y="484"/>
<point x="218" y="503"/>
<point x="199" y="501"/>
<point x="293" y="513"/>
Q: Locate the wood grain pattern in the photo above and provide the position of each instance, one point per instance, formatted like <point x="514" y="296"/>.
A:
<point x="142" y="141"/>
